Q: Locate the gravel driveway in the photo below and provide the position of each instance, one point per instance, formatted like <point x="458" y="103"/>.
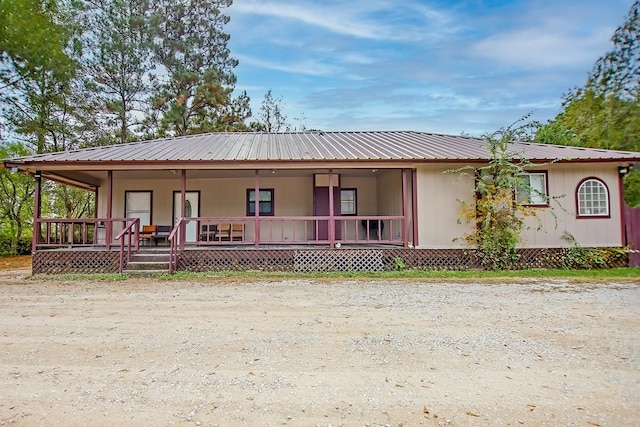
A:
<point x="318" y="352"/>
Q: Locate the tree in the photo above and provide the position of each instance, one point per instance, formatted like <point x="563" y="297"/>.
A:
<point x="32" y="39"/>
<point x="196" y="78"/>
<point x="271" y="117"/>
<point x="38" y="84"/>
<point x="118" y="38"/>
<point x="605" y="113"/>
<point x="16" y="200"/>
<point x="498" y="217"/>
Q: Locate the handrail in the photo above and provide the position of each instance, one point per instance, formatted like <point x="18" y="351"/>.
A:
<point x="74" y="232"/>
<point x="132" y="223"/>
<point x="173" y="245"/>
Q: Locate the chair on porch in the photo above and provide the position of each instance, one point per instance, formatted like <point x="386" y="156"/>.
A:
<point x="231" y="232"/>
<point x="147" y="233"/>
<point x="209" y="232"/>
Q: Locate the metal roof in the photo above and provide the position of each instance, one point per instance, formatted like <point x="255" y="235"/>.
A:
<point x="317" y="146"/>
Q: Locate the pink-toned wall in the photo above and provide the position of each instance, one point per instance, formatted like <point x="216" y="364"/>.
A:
<point x="439" y="208"/>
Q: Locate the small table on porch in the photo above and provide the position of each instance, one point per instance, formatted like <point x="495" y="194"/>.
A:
<point x="160" y="237"/>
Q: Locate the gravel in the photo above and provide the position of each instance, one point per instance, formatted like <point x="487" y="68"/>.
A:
<point x="318" y="352"/>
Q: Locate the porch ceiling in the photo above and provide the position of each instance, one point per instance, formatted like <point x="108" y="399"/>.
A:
<point x="97" y="177"/>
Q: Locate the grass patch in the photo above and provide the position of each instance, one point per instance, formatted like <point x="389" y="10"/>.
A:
<point x="73" y="277"/>
<point x="608" y="274"/>
<point x="617" y="274"/>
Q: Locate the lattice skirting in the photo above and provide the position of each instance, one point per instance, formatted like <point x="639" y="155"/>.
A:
<point x="303" y="260"/>
<point x="84" y="262"/>
<point x="217" y="260"/>
<point x="321" y="260"/>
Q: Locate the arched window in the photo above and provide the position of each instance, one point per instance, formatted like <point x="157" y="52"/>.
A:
<point x="593" y="198"/>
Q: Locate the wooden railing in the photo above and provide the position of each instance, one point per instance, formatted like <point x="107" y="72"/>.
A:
<point x="77" y="232"/>
<point x="129" y="240"/>
<point x="176" y="242"/>
<point x="52" y="233"/>
<point x="285" y="230"/>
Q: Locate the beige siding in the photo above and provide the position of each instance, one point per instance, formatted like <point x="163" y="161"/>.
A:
<point x="561" y="217"/>
<point x="381" y="194"/>
<point x="219" y="197"/>
<point x="438" y="208"/>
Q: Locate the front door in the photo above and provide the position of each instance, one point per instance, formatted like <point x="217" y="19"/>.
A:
<point x="191" y="210"/>
<point x="137" y="204"/>
<point x="321" y="208"/>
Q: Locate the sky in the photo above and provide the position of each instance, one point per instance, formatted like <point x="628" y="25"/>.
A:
<point x="452" y="67"/>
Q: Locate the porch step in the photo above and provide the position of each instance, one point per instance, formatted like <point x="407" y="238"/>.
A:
<point x="146" y="263"/>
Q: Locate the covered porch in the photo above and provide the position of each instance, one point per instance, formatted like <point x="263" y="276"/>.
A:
<point x="187" y="210"/>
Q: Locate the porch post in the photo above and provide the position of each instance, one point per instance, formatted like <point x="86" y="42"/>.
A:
<point x="256" y="207"/>
<point x="405" y="209"/>
<point x="414" y="206"/>
<point x="183" y="207"/>
<point x="332" y="220"/>
<point x="36" y="210"/>
<point x="95" y="203"/>
<point x="109" y="227"/>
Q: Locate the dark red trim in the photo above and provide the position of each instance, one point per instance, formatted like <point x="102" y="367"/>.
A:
<point x="546" y="189"/>
<point x="37" y="203"/>
<point x="355" y="192"/>
<point x="623" y="213"/>
<point x="109" y="228"/>
<point x="256" y="189"/>
<point x="405" y="209"/>
<point x="332" y="220"/>
<point x="257" y="199"/>
<point x="578" y="216"/>
<point x="414" y="202"/>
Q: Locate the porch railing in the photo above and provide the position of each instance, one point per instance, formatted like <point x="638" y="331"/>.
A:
<point x="175" y="239"/>
<point x="286" y="230"/>
<point x="129" y="241"/>
<point x="57" y="233"/>
<point x="77" y="232"/>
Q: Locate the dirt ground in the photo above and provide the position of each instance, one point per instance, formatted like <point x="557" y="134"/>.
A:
<point x="318" y="352"/>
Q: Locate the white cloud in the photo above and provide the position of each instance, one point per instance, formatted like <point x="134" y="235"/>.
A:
<point x="307" y="67"/>
<point x="539" y="47"/>
<point x="358" y="18"/>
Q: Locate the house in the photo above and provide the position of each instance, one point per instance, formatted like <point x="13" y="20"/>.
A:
<point x="310" y="200"/>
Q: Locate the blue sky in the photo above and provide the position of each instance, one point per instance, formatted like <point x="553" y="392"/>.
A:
<point x="435" y="66"/>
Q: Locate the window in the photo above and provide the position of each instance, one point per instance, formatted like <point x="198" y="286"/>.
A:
<point x="532" y="189"/>
<point x="593" y="198"/>
<point x="348" y="201"/>
<point x="265" y="201"/>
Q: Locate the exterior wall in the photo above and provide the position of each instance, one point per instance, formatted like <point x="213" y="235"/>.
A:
<point x="390" y="198"/>
<point x="381" y="194"/>
<point x="438" y="207"/>
<point x="293" y="196"/>
<point x="367" y="203"/>
<point x="563" y="181"/>
<point x="220" y="197"/>
<point x="439" y="210"/>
